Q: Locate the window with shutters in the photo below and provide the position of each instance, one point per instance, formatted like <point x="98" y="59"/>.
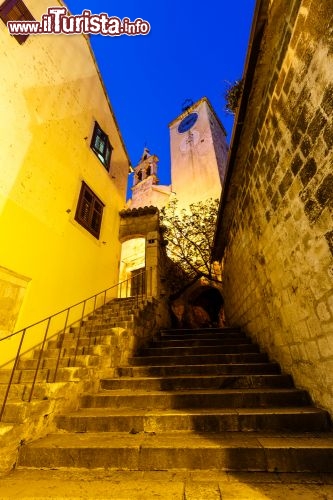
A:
<point x="15" y="10"/>
<point x="101" y="146"/>
<point x="89" y="211"/>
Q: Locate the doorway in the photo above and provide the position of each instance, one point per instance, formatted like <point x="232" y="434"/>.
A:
<point x="138" y="281"/>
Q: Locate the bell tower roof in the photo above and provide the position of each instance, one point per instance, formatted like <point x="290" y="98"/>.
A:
<point x="146" y="190"/>
<point x="146" y="168"/>
<point x="145" y="154"/>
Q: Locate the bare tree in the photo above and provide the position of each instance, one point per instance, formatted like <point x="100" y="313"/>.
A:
<point x="189" y="235"/>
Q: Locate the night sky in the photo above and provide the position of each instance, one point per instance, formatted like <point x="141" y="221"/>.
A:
<point x="194" y="49"/>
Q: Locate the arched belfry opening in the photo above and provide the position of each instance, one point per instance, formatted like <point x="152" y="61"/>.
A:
<point x="147" y="167"/>
<point x="146" y="189"/>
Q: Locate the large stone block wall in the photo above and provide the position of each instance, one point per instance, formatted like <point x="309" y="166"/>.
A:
<point x="278" y="262"/>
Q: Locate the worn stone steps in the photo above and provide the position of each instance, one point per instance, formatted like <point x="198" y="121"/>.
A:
<point x="198" y="331"/>
<point x="187" y="404"/>
<point x="84" y="341"/>
<point x="93" y="350"/>
<point x="64" y="374"/>
<point x="199" y="369"/>
<point x="191" y="382"/>
<point x="81" y="360"/>
<point x="199" y="359"/>
<point x="103" y="325"/>
<point x="18" y="411"/>
<point x="213" y="333"/>
<point x="98" y="484"/>
<point x="198" y="350"/>
<point x="106" y="317"/>
<point x="232" y="398"/>
<point x="182" y="450"/>
<point x="200" y="420"/>
<point x="233" y="340"/>
<point x="42" y="390"/>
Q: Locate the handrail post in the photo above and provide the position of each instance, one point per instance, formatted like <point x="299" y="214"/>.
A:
<point x="12" y="374"/>
<point x="146" y="283"/>
<point x="60" y="347"/>
<point x="92" y="323"/>
<point x="79" y="334"/>
<point x="39" y="359"/>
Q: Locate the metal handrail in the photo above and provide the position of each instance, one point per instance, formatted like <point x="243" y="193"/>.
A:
<point x="23" y="331"/>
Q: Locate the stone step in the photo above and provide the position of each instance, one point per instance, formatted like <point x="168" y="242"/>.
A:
<point x="183" y="332"/>
<point x="42" y="390"/>
<point x="232" y="398"/>
<point x="64" y="374"/>
<point x="70" y="340"/>
<point x="197" y="370"/>
<point x="94" y="350"/>
<point x="198" y="359"/>
<point x="58" y="484"/>
<point x="110" y="315"/>
<point x="96" y="330"/>
<point x="228" y="419"/>
<point x="202" y="382"/>
<point x="158" y="343"/>
<point x="85" y="360"/>
<point x="229" y="451"/>
<point x="194" y="350"/>
<point x="18" y="411"/>
<point x="197" y="336"/>
<point x="196" y="331"/>
<point x="122" y="308"/>
<point x="104" y="325"/>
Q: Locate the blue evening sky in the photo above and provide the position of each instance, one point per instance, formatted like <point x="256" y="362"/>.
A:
<point x="193" y="50"/>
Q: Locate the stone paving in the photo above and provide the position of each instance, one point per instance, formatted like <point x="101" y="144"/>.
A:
<point x="167" y="485"/>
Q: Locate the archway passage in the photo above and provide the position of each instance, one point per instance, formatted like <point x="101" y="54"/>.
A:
<point x="201" y="306"/>
<point x="206" y="306"/>
<point x="132" y="267"/>
<point x="141" y="252"/>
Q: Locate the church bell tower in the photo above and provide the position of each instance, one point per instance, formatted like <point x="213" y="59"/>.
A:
<point x="198" y="154"/>
<point x="146" y="190"/>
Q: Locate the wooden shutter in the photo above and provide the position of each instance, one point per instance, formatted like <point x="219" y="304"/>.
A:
<point x="89" y="211"/>
<point x="16" y="10"/>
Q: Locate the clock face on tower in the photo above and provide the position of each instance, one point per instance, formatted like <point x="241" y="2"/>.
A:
<point x="187" y="122"/>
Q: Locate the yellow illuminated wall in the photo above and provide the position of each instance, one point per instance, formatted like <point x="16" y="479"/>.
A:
<point x="50" y="96"/>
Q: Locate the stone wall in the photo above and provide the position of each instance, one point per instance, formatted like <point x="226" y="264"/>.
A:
<point x="275" y="230"/>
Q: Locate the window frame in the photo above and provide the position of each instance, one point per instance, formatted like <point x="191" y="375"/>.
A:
<point x="8" y="7"/>
<point x="104" y="152"/>
<point x="88" y="211"/>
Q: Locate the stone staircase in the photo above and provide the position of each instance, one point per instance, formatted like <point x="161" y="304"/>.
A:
<point x="87" y="351"/>
<point x="200" y="399"/>
<point x="82" y="354"/>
